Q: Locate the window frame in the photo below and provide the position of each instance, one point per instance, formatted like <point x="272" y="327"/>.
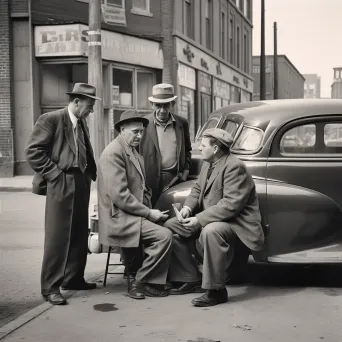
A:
<point x="188" y="21"/>
<point x="319" y="121"/>
<point x="138" y="11"/>
<point x="104" y="2"/>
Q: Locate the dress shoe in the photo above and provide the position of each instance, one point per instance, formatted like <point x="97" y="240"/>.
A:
<point x="55" y="299"/>
<point x="151" y="291"/>
<point x="211" y="298"/>
<point x="79" y="287"/>
<point x="188" y="288"/>
<point x="135" y="291"/>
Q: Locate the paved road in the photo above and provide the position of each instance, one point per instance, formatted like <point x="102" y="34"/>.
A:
<point x="21" y="251"/>
<point x="21" y="243"/>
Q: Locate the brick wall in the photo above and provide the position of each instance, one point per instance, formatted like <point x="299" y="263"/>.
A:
<point x="19" y="6"/>
<point x="6" y="133"/>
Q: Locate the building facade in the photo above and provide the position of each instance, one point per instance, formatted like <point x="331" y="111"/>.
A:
<point x="290" y="80"/>
<point x="144" y="42"/>
<point x="312" y="86"/>
<point x="336" y="87"/>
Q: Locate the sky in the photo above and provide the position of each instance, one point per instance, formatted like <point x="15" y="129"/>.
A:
<point x="308" y="34"/>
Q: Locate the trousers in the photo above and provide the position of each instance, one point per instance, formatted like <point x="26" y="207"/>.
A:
<point x="215" y="245"/>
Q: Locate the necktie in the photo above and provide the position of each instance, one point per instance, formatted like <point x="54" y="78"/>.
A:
<point x="210" y="170"/>
<point x="82" y="149"/>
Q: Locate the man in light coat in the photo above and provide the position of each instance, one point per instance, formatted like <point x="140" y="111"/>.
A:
<point x="60" y="153"/>
<point x="221" y="207"/>
<point x="125" y="215"/>
<point x="166" y="145"/>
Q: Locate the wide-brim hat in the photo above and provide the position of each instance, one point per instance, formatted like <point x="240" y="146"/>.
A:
<point x="84" y="89"/>
<point x="130" y="115"/>
<point x="162" y="93"/>
<point x="219" y="134"/>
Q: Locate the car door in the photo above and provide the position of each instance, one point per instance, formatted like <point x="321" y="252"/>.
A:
<point x="304" y="180"/>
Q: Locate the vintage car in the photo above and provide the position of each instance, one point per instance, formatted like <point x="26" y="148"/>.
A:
<point x="293" y="150"/>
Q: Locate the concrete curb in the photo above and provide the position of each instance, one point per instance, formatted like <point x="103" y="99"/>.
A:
<point x="35" y="312"/>
<point x="15" y="189"/>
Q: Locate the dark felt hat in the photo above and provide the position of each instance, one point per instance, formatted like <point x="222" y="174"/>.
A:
<point x="84" y="89"/>
<point x="129" y="116"/>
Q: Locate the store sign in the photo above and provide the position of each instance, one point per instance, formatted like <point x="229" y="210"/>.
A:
<point x="204" y="82"/>
<point x="221" y="89"/>
<point x="210" y="65"/>
<point x="72" y="40"/>
<point x="186" y="76"/>
<point x="113" y="15"/>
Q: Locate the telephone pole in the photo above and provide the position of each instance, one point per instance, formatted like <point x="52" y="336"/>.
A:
<point x="95" y="76"/>
<point x="275" y="61"/>
<point x="262" y="53"/>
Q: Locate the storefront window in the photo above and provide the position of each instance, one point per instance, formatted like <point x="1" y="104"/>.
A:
<point x="234" y="94"/>
<point x="186" y="105"/>
<point x="144" y="89"/>
<point x="123" y="87"/>
<point x="221" y="93"/>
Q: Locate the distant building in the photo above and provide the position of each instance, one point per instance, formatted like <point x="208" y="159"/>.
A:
<point x="336" y="87"/>
<point x="312" y="86"/>
<point x="290" y="80"/>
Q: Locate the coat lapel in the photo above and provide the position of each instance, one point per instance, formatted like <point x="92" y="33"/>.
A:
<point x="87" y="137"/>
<point x="215" y="172"/>
<point x="134" y="160"/>
<point x="68" y="131"/>
<point x="179" y="135"/>
<point x="152" y="132"/>
<point x="202" y="180"/>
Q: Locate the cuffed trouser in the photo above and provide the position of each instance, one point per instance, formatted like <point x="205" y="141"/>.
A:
<point x="157" y="245"/>
<point x="215" y="245"/>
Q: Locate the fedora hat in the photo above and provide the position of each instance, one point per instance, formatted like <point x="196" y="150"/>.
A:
<point x="162" y="93"/>
<point x="130" y="115"/>
<point x="219" y="134"/>
<point x="84" y="89"/>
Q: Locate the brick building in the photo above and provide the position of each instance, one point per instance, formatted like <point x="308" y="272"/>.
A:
<point x="290" y="80"/>
<point x="336" y="87"/>
<point x="143" y="42"/>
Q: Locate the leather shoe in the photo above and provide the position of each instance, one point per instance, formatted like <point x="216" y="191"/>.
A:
<point x="135" y="291"/>
<point x="151" y="291"/>
<point x="211" y="298"/>
<point x="55" y="299"/>
<point x="188" y="288"/>
<point x="79" y="287"/>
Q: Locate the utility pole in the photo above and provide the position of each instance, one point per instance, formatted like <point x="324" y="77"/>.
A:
<point x="262" y="54"/>
<point x="95" y="76"/>
<point x="275" y="61"/>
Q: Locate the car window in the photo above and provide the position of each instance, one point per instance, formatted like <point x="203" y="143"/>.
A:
<point x="230" y="126"/>
<point x="300" y="139"/>
<point x="249" y="139"/>
<point x="211" y="123"/>
<point x="333" y="135"/>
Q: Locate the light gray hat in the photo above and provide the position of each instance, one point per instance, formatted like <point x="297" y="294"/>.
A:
<point x="221" y="135"/>
<point x="162" y="93"/>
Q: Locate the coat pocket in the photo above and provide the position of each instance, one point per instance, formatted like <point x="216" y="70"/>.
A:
<point x="114" y="210"/>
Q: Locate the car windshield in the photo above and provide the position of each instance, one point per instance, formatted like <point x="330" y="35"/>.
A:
<point x="249" y="140"/>
<point x="211" y="123"/>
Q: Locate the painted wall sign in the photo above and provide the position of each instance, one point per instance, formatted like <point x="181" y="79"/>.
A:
<point x="72" y="40"/>
<point x="186" y="76"/>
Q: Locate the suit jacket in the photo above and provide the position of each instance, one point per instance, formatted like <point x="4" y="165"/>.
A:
<point x="149" y="149"/>
<point x="124" y="199"/>
<point x="51" y="148"/>
<point x="229" y="195"/>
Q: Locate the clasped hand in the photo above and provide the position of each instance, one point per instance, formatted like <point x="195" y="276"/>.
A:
<point x="157" y="215"/>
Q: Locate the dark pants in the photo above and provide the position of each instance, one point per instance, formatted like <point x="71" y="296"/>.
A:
<point x="215" y="245"/>
<point x="64" y="261"/>
<point x="164" y="181"/>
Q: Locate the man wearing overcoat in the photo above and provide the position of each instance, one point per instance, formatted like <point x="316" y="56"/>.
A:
<point x="125" y="215"/>
<point x="166" y="145"/>
<point x="60" y="153"/>
<point x="221" y="207"/>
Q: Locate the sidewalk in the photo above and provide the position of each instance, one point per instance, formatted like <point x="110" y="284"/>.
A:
<point x="16" y="184"/>
<point x="253" y="314"/>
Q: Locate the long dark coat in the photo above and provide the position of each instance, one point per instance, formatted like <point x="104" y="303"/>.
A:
<point x="230" y="196"/>
<point x="149" y="149"/>
<point x="123" y="196"/>
<point x="50" y="151"/>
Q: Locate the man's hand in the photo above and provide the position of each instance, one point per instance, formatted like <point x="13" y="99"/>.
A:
<point x="191" y="223"/>
<point x="185" y="175"/>
<point x="157" y="215"/>
<point x="185" y="212"/>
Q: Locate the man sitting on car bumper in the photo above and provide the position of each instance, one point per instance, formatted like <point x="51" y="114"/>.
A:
<point x="221" y="207"/>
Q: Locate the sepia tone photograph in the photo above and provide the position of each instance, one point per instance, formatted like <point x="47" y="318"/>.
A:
<point x="170" y="170"/>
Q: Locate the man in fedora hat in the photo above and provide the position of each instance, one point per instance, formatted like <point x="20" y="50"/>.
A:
<point x="166" y="146"/>
<point x="125" y="215"/>
<point x="221" y="208"/>
<point x="60" y="153"/>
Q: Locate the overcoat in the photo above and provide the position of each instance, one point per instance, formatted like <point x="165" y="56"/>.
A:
<point x="230" y="196"/>
<point x="149" y="149"/>
<point x="124" y="199"/>
<point x="50" y="151"/>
